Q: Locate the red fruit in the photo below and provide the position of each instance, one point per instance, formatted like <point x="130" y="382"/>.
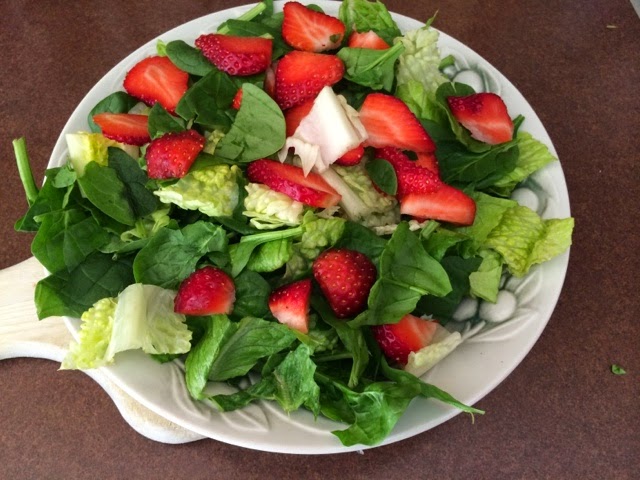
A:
<point x="171" y="155"/>
<point x="390" y="123"/>
<point x="398" y="340"/>
<point x="124" y="127"/>
<point x="448" y="204"/>
<point x="368" y="39"/>
<point x="352" y="157"/>
<point x="237" y="100"/>
<point x="234" y="55"/>
<point x="207" y="291"/>
<point x="311" y="190"/>
<point x="412" y="178"/>
<point x="428" y="161"/>
<point x="306" y="29"/>
<point x="294" y="115"/>
<point x="290" y="304"/>
<point x="157" y="79"/>
<point x="485" y="115"/>
<point x="270" y="80"/>
<point x="301" y="75"/>
<point x="345" y="277"/>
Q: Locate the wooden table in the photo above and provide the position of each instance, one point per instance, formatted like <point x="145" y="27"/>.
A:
<point x="561" y="414"/>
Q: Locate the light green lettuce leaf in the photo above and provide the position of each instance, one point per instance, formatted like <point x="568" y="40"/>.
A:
<point x="268" y="209"/>
<point x="319" y="234"/>
<point x="442" y="344"/>
<point x="212" y="190"/>
<point x="141" y="317"/>
<point x="524" y="239"/>
<point x="485" y="282"/>
<point x="420" y="59"/>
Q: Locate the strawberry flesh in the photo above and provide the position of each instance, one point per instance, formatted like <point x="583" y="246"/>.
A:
<point x="301" y="75"/>
<point x="345" y="278"/>
<point x="157" y="79"/>
<point x="398" y="340"/>
<point x="171" y="155"/>
<point x="311" y="31"/>
<point x="352" y="157"/>
<point x="368" y="39"/>
<point x="412" y="178"/>
<point x="207" y="291"/>
<point x="290" y="304"/>
<point x="237" y="100"/>
<point x="485" y="115"/>
<point x="428" y="161"/>
<point x="447" y="204"/>
<point x="126" y="128"/>
<point x="390" y="123"/>
<point x="235" y="55"/>
<point x="311" y="190"/>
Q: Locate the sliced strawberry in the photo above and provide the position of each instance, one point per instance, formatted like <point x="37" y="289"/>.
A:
<point x="234" y="55"/>
<point x="207" y="291"/>
<point x="412" y="178"/>
<point x="301" y="75"/>
<point x="237" y="100"/>
<point x="311" y="190"/>
<point x="428" y="161"/>
<point x="368" y="39"/>
<point x="290" y="304"/>
<point x="485" y="115"/>
<point x="171" y="155"/>
<point x="270" y="80"/>
<point x="157" y="79"/>
<point x="352" y="157"/>
<point x="345" y="277"/>
<point x="294" y="115"/>
<point x="447" y="204"/>
<point x="390" y="123"/>
<point x="306" y="29"/>
<point x="126" y="128"/>
<point x="398" y="340"/>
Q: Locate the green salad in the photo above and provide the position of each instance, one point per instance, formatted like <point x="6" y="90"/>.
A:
<point x="298" y="200"/>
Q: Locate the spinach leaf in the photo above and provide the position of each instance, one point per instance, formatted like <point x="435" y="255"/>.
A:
<point x="107" y="192"/>
<point x="371" y="68"/>
<point x="118" y="102"/>
<point x="50" y="198"/>
<point x="383" y="175"/>
<point x="170" y="256"/>
<point x="362" y="239"/>
<point x="363" y="15"/>
<point x="208" y="101"/>
<point x="252" y="295"/>
<point x="188" y="58"/>
<point x="258" y="130"/>
<point x="66" y="238"/>
<point x="72" y="293"/>
<point x="271" y="256"/>
<point x="141" y="200"/>
<point x="161" y="122"/>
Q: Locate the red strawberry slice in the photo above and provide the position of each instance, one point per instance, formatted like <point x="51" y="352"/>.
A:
<point x="237" y="100"/>
<point x="290" y="304"/>
<point x="234" y="55"/>
<point x="448" y="204"/>
<point x="171" y="155"/>
<point x="126" y="128"/>
<point x="306" y="29"/>
<point x="311" y="190"/>
<point x="207" y="291"/>
<point x="368" y="39"/>
<point x="294" y="115"/>
<point x="301" y="75"/>
<point x="428" y="161"/>
<point x="157" y="79"/>
<point x="390" y="123"/>
<point x="412" y="178"/>
<point x="352" y="157"/>
<point x="485" y="115"/>
<point x="398" y="340"/>
<point x="345" y="277"/>
<point x="270" y="80"/>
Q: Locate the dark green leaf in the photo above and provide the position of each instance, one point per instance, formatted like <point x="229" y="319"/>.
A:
<point x="383" y="175"/>
<point x="252" y="295"/>
<point x="118" y="102"/>
<point x="161" y="122"/>
<point x="371" y="68"/>
<point x="188" y="58"/>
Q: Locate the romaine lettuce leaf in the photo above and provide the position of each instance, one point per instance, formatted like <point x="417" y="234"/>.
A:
<point x="420" y="60"/>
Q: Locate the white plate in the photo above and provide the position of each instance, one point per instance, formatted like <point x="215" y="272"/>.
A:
<point x="469" y="373"/>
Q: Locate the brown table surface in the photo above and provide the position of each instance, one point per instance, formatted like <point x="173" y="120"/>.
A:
<point x="560" y="414"/>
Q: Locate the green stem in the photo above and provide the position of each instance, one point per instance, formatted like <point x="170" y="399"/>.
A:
<point x="24" y="169"/>
<point x="246" y="16"/>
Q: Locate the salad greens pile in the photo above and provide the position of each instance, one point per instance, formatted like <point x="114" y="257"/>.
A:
<point x="118" y="244"/>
